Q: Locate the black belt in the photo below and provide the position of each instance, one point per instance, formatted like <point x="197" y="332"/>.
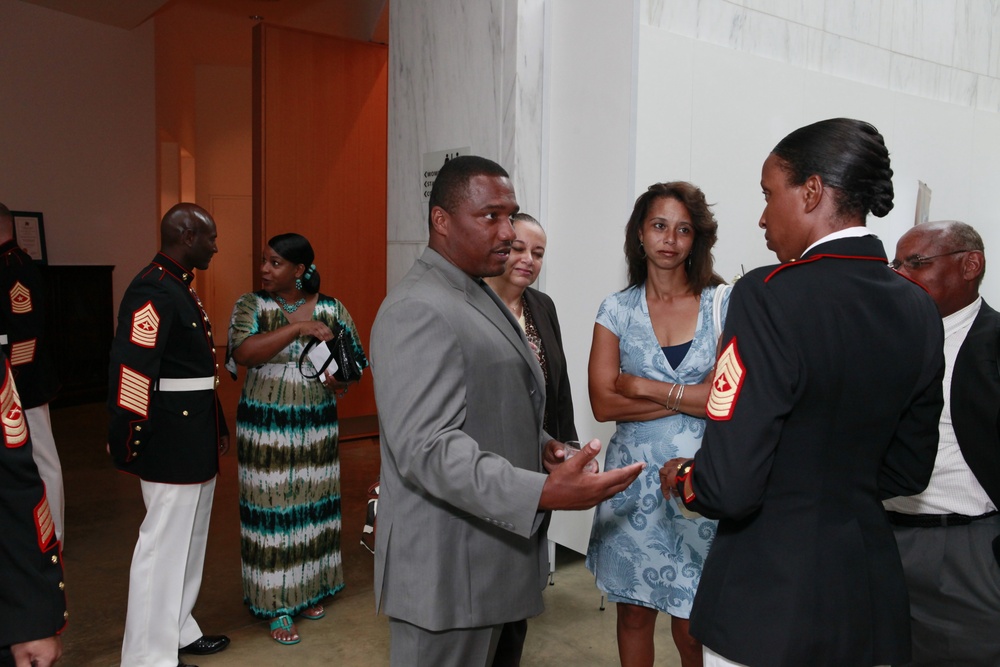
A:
<point x="935" y="520"/>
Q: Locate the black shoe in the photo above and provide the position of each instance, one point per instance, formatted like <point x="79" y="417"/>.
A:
<point x="184" y="664"/>
<point x="206" y="645"/>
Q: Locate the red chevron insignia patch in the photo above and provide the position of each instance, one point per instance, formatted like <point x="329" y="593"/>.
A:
<point x="729" y="373"/>
<point x="20" y="299"/>
<point x="145" y="326"/>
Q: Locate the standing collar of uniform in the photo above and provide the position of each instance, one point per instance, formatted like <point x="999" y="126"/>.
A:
<point x="848" y="246"/>
<point x="8" y="246"/>
<point x="171" y="266"/>
<point x="845" y="233"/>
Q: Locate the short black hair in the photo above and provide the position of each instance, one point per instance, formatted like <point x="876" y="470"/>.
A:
<point x="451" y="186"/>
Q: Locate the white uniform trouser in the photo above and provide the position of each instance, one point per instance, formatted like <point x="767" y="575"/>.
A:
<point x="43" y="449"/>
<point x="166" y="573"/>
<point x="713" y="659"/>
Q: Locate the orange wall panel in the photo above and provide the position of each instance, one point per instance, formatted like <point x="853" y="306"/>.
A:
<point x="320" y="142"/>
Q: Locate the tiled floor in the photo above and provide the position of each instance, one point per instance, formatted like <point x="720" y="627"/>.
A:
<point x="104" y="510"/>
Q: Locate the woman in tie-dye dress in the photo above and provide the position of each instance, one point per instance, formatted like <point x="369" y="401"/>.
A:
<point x="286" y="430"/>
<point x="650" y="370"/>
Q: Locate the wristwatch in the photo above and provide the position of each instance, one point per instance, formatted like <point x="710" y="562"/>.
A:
<point x="683" y="472"/>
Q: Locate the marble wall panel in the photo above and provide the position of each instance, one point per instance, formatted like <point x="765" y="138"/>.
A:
<point x="925" y="30"/>
<point x="722" y="23"/>
<point x="399" y="258"/>
<point x="804" y="12"/>
<point x="678" y="16"/>
<point x="971" y="50"/>
<point x="462" y="74"/>
<point x="886" y="17"/>
<point x="773" y="37"/>
<point x="855" y="60"/>
<point x="919" y="47"/>
<point x="522" y="127"/>
<point x="446" y="92"/>
<point x="858" y="20"/>
<point x="994" y="31"/>
<point x="932" y="81"/>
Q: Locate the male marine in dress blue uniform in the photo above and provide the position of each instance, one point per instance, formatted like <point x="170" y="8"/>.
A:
<point x="167" y="428"/>
<point x="32" y="598"/>
<point x="22" y="335"/>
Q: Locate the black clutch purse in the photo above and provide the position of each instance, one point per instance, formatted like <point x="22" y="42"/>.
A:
<point x="337" y="351"/>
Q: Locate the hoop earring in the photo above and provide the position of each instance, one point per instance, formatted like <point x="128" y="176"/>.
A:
<point x="642" y="249"/>
<point x="298" y="283"/>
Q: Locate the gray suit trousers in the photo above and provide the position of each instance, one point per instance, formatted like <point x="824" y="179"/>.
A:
<point x="954" y="584"/>
<point x="413" y="646"/>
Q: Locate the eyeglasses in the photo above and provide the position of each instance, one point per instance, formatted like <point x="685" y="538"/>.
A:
<point x="914" y="262"/>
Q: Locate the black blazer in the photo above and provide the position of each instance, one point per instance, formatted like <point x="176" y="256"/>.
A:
<point x="975" y="400"/>
<point x="833" y="365"/>
<point x="558" y="399"/>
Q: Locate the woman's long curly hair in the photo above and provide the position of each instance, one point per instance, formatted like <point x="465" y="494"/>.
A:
<point x="700" y="263"/>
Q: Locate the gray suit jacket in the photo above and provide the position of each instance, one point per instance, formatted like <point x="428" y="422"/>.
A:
<point x="460" y="400"/>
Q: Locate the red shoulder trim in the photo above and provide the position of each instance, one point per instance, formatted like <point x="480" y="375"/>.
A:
<point x="800" y="262"/>
<point x="917" y="283"/>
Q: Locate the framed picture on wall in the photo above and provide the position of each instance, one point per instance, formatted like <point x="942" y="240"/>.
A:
<point x="29" y="234"/>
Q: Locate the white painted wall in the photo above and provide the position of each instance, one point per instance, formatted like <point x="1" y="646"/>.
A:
<point x="588" y="186"/>
<point x="77" y="135"/>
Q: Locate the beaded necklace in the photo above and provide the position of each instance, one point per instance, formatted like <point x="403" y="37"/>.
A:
<point x="289" y="307"/>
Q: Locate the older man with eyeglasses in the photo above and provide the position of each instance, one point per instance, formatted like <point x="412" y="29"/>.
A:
<point x="949" y="535"/>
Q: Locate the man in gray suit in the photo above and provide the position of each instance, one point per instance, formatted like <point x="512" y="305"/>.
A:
<point x="460" y="546"/>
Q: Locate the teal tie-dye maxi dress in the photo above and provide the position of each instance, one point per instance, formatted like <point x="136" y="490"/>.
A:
<point x="289" y="468"/>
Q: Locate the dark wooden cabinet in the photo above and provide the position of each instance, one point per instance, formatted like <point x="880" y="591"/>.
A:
<point x="81" y="324"/>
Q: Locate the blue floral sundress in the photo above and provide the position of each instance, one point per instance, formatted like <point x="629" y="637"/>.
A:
<point x="645" y="549"/>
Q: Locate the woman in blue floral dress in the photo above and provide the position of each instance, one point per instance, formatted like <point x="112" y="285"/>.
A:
<point x="651" y="366"/>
